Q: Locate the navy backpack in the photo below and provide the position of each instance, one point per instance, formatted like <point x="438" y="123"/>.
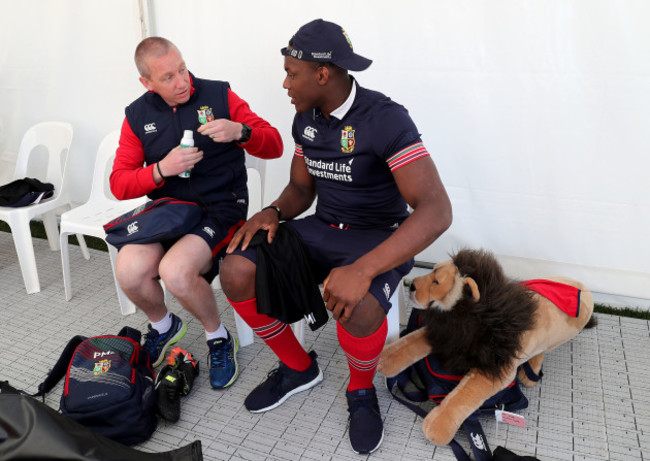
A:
<point x="109" y="385"/>
<point x="426" y="380"/>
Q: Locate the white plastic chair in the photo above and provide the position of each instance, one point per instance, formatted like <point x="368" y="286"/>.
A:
<point x="55" y="138"/>
<point x="89" y="218"/>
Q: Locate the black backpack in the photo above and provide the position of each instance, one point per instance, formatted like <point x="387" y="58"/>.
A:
<point x="109" y="385"/>
<point x="426" y="380"/>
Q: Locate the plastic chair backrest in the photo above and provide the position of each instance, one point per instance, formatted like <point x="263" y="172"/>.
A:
<point x="55" y="138"/>
<point x="100" y="188"/>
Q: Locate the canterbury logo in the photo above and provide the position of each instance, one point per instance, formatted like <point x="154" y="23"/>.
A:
<point x="132" y="228"/>
<point x="310" y="133"/>
<point x="477" y="440"/>
<point x="208" y="231"/>
<point x="387" y="291"/>
<point x="150" y="128"/>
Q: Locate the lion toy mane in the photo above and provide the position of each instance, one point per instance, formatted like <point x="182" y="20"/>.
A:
<point x="482" y="324"/>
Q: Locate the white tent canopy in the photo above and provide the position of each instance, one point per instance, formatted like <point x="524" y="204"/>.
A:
<point x="536" y="113"/>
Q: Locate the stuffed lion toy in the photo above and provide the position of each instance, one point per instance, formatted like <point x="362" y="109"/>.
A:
<point x="485" y="326"/>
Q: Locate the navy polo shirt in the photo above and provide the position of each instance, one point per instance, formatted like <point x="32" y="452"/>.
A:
<point x="351" y="158"/>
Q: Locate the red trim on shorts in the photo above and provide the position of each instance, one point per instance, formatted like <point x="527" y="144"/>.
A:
<point x="231" y="232"/>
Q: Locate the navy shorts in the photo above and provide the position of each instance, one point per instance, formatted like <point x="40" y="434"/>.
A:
<point x="328" y="247"/>
<point x="216" y="228"/>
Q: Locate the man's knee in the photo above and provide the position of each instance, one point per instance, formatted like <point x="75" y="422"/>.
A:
<point x="130" y="274"/>
<point x="178" y="277"/>
<point x="366" y="318"/>
<point x="237" y="275"/>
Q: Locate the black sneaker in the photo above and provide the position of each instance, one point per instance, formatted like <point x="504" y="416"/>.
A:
<point x="366" y="429"/>
<point x="187" y="367"/>
<point x="174" y="380"/>
<point x="168" y="393"/>
<point x="282" y="383"/>
<point x="156" y="344"/>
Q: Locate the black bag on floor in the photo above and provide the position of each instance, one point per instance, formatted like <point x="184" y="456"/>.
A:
<point x="426" y="380"/>
<point x="23" y="192"/>
<point x="30" y="430"/>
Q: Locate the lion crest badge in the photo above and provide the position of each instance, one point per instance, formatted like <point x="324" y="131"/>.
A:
<point x="102" y="367"/>
<point x="205" y="115"/>
<point x="347" y="139"/>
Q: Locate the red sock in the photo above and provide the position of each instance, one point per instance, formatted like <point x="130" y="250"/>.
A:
<point x="363" y="355"/>
<point x="279" y="336"/>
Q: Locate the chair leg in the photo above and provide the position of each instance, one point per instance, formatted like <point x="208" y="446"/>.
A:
<point x="22" y="236"/>
<point x="126" y="305"/>
<point x="83" y="246"/>
<point x="65" y="264"/>
<point x="393" y="316"/>
<point x="299" y="331"/>
<point x="51" y="229"/>
<point x="244" y="332"/>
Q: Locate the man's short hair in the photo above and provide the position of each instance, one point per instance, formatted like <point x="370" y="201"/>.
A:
<point x="151" y="47"/>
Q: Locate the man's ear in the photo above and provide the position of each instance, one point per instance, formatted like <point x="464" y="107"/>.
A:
<point x="322" y="75"/>
<point x="147" y="83"/>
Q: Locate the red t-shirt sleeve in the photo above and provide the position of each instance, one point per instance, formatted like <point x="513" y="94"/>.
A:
<point x="265" y="141"/>
<point x="130" y="178"/>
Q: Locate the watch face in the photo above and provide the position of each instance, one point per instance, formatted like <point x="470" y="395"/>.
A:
<point x="245" y="133"/>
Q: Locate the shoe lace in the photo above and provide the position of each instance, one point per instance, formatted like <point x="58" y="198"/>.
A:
<point x="219" y="356"/>
<point x="151" y="340"/>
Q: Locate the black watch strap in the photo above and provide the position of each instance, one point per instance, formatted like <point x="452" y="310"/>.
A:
<point x="276" y="208"/>
<point x="246" y="132"/>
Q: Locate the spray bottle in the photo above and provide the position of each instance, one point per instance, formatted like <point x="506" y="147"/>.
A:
<point x="187" y="141"/>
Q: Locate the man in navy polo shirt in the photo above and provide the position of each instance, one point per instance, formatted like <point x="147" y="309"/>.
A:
<point x="361" y="155"/>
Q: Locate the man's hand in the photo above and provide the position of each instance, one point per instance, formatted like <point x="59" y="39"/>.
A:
<point x="222" y="130"/>
<point x="343" y="290"/>
<point x="180" y="159"/>
<point x="265" y="219"/>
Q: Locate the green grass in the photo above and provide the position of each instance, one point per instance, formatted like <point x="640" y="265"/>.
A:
<point x="622" y="311"/>
<point x="38" y="231"/>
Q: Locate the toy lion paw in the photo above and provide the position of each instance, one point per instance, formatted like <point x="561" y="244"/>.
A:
<point x="439" y="429"/>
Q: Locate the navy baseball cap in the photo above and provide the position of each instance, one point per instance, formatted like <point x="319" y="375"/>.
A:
<point x="323" y="41"/>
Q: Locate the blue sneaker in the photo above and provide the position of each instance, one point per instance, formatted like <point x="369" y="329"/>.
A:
<point x="281" y="383"/>
<point x="366" y="429"/>
<point x="222" y="361"/>
<point x="156" y="344"/>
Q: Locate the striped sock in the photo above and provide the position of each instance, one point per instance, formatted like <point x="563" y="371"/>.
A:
<point x="363" y="355"/>
<point x="277" y="335"/>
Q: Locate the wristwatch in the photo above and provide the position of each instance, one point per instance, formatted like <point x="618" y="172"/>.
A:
<point x="245" y="134"/>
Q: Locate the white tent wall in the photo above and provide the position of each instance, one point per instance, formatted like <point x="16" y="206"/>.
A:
<point x="68" y="60"/>
<point x="536" y="113"/>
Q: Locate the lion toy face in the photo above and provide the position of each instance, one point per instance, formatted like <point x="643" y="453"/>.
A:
<point x="505" y="323"/>
<point x="441" y="288"/>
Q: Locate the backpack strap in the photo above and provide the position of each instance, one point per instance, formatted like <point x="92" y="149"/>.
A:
<point x="416" y="395"/>
<point x="132" y="333"/>
<point x="60" y="367"/>
<point x="530" y="374"/>
<point x="471" y="426"/>
<point x="477" y="439"/>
